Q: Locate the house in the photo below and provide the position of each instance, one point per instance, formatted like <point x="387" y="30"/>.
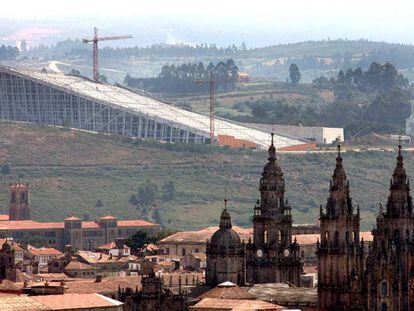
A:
<point x="115" y="248"/>
<point x="43" y="255"/>
<point x="193" y="261"/>
<point x="78" y="269"/>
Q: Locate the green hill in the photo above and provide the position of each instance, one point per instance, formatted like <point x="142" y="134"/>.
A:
<point x="70" y="170"/>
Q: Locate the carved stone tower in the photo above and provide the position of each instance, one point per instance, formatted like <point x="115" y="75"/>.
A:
<point x="340" y="252"/>
<point x="19" y="208"/>
<point x="272" y="256"/>
<point x="226" y="254"/>
<point x="390" y="264"/>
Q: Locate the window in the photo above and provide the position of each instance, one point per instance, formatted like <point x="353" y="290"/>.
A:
<point x="336" y="239"/>
<point x="347" y="237"/>
<point x="183" y="251"/>
<point x="384" y="307"/>
<point x="384" y="289"/>
<point x="265" y="236"/>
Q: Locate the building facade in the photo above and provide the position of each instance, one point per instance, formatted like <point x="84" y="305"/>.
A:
<point x="226" y="255"/>
<point x="272" y="256"/>
<point x="390" y="264"/>
<point x="82" y="235"/>
<point x="340" y="252"/>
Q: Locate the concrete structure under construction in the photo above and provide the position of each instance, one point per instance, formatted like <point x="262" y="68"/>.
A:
<point x="76" y="102"/>
<point x="316" y="134"/>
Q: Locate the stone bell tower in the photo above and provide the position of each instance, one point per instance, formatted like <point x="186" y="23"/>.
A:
<point x="272" y="256"/>
<point x="19" y="208"/>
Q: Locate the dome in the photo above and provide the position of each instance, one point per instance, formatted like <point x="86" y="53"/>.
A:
<point x="225" y="237"/>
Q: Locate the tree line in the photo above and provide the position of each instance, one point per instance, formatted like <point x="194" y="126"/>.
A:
<point x="8" y="52"/>
<point x="375" y="100"/>
<point x="182" y="79"/>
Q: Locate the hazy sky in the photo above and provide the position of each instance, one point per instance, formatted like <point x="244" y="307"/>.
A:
<point x="202" y="21"/>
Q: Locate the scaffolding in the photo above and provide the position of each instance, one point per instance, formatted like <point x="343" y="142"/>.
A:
<point x="77" y="102"/>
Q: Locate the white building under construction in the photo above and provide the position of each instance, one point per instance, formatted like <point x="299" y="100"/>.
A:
<point x="59" y="99"/>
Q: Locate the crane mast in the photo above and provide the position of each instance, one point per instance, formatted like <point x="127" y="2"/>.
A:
<point x="95" y="49"/>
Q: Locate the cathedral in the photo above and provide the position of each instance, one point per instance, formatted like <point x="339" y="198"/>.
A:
<point x="272" y="256"/>
<point x="352" y="276"/>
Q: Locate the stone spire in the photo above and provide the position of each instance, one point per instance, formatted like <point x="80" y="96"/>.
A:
<point x="399" y="202"/>
<point x="339" y="200"/>
<point x="225" y="218"/>
<point x="272" y="150"/>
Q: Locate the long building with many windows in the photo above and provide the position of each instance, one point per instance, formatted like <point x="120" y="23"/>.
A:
<point x="73" y="101"/>
<point x="82" y="235"/>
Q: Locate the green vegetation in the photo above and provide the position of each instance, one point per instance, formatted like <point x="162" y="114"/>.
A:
<point x="183" y="79"/>
<point x="69" y="171"/>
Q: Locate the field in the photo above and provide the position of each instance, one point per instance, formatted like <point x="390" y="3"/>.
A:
<point x="70" y="170"/>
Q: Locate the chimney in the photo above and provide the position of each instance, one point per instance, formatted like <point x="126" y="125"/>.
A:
<point x="98" y="278"/>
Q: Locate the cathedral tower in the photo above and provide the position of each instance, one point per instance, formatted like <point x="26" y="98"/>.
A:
<point x="340" y="252"/>
<point x="19" y="208"/>
<point x="226" y="254"/>
<point x="272" y="256"/>
<point x="390" y="264"/>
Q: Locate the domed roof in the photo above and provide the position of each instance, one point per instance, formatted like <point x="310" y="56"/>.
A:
<point x="225" y="237"/>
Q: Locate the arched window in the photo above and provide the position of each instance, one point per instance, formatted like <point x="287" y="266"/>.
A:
<point x="302" y="254"/>
<point x="326" y="236"/>
<point x="280" y="236"/>
<point x="384" y="288"/>
<point x="265" y="236"/>
<point x="384" y="307"/>
<point x="355" y="237"/>
<point x="347" y="237"/>
<point x="336" y="239"/>
<point x="396" y="236"/>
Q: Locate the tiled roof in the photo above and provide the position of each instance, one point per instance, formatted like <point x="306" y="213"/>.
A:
<point x="72" y="218"/>
<point x="201" y="236"/>
<point x="109" y="217"/>
<point x="45" y="251"/>
<point x="94" y="257"/>
<point x="304" y="239"/>
<point x="136" y="223"/>
<point x="227" y="290"/>
<point x="29" y="225"/>
<point x="76" y="265"/>
<point x="90" y="224"/>
<point x="21" y="303"/>
<point x="75" y="301"/>
<point x="108" y="246"/>
<point x="235" y="305"/>
<point x="4" y="217"/>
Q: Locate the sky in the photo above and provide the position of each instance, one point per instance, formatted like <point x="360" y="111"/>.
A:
<point x="258" y="22"/>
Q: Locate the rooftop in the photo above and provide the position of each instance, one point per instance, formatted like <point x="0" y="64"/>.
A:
<point x="76" y="265"/>
<point x="75" y="301"/>
<point x="227" y="290"/>
<point x="282" y="294"/>
<point x="121" y="98"/>
<point x="45" y="251"/>
<point x="235" y="305"/>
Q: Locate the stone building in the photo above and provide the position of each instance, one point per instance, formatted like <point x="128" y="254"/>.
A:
<point x="390" y="263"/>
<point x="19" y="208"/>
<point x="272" y="256"/>
<point x="226" y="254"/>
<point x="153" y="296"/>
<point x="80" y="234"/>
<point x="340" y="252"/>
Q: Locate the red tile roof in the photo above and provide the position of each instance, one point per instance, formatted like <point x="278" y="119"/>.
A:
<point x="90" y="225"/>
<point x="77" y="265"/>
<point x="45" y="251"/>
<point x="4" y="217"/>
<point x="109" y="217"/>
<point x="135" y="223"/>
<point x="235" y="304"/>
<point x="29" y="225"/>
<point x="75" y="301"/>
<point x="72" y="218"/>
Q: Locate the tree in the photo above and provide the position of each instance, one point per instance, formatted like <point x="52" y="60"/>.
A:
<point x="5" y="169"/>
<point x="168" y="191"/>
<point x="147" y="194"/>
<point x="140" y="239"/>
<point x="294" y="73"/>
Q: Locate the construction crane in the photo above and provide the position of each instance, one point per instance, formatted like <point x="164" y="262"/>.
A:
<point x="94" y="41"/>
<point x="211" y="83"/>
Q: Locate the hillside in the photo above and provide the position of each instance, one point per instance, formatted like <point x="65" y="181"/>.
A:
<point x="70" y="170"/>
